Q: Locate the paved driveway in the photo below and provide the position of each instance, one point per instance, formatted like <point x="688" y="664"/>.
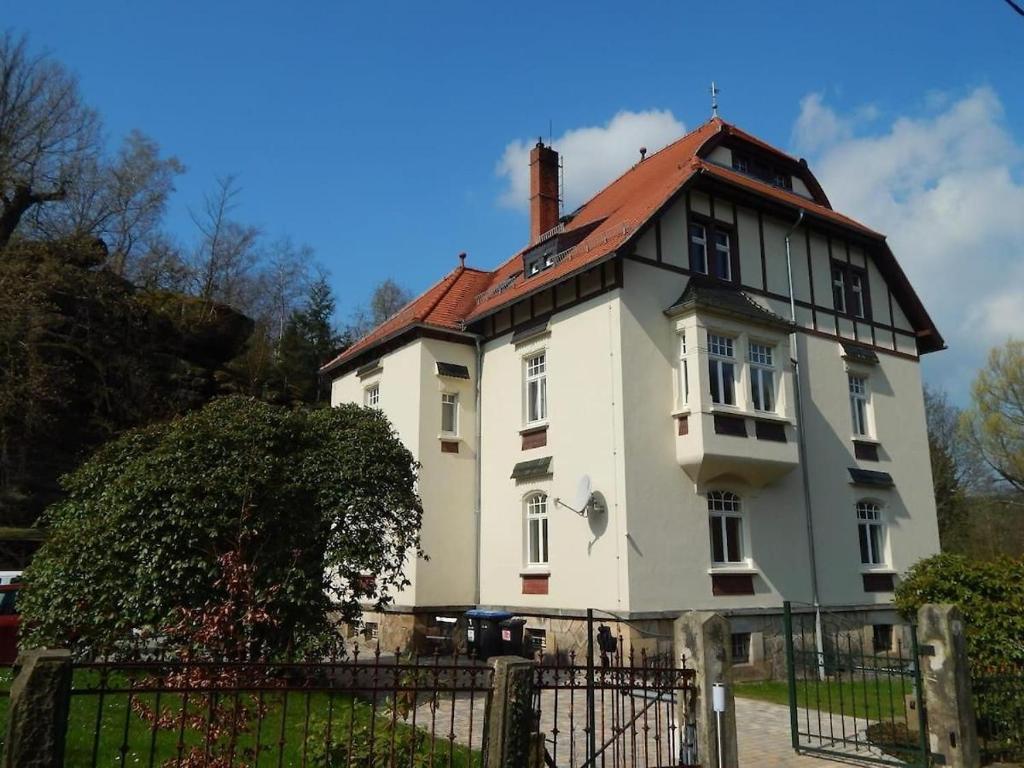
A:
<point x="765" y="742"/>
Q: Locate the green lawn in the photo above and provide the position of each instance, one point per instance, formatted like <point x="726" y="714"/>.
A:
<point x="290" y="721"/>
<point x="881" y="699"/>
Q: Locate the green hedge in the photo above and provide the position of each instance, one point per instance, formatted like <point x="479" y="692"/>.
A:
<point x="989" y="594"/>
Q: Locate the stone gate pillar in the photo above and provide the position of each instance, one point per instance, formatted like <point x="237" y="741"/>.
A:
<point x="38" y="716"/>
<point x="703" y="639"/>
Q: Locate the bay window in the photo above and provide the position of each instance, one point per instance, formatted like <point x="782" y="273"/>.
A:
<point x="684" y="372"/>
<point x="762" y="376"/>
<point x="722" y="369"/>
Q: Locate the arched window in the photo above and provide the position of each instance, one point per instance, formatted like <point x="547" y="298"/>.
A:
<point x="726" y="520"/>
<point x="537" y="529"/>
<point x="871" y="532"/>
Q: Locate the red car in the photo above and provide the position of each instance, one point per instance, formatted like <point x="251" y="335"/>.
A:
<point x="10" y="620"/>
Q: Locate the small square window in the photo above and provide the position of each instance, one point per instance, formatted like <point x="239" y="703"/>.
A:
<point x="371" y="396"/>
<point x="371" y="630"/>
<point x="537" y="639"/>
<point x="881" y="638"/>
<point x="740" y="647"/>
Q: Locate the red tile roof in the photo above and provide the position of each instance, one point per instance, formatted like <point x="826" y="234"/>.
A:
<point x="614" y="214"/>
<point x="443" y="306"/>
<point x="621" y="207"/>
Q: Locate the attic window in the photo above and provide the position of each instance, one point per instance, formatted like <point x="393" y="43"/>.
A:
<point x="765" y="171"/>
<point x="540" y="263"/>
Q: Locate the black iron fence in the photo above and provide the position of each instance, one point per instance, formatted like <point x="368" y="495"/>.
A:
<point x="620" y="710"/>
<point x="999" y="710"/>
<point x="855" y="692"/>
<point x="373" y="709"/>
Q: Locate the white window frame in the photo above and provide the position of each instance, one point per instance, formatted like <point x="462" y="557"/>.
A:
<point x="701" y="240"/>
<point x="450" y="400"/>
<point x="726" y="252"/>
<point x="872" y="534"/>
<point x="721" y="354"/>
<point x="684" y="371"/>
<point x="722" y="506"/>
<point x="535" y="380"/>
<point x="761" y="359"/>
<point x="857" y="292"/>
<point x="860" y="404"/>
<point x="371" y="396"/>
<point x="535" y="507"/>
<point x="839" y="281"/>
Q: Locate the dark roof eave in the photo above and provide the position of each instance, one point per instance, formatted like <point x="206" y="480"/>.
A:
<point x="473" y="318"/>
<point x="750" y="317"/>
<point x="341" y="360"/>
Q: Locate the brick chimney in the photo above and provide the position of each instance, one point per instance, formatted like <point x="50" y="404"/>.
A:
<point x="543" y="190"/>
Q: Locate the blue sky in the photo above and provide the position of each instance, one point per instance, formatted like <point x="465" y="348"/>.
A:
<point x="376" y="132"/>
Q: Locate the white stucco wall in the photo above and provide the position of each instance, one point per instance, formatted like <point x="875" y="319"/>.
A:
<point x="584" y="436"/>
<point x="410" y="396"/>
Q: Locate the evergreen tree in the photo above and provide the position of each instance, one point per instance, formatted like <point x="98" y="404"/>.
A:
<point x="308" y="341"/>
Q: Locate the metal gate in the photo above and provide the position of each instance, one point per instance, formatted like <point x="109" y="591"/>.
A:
<point x="854" y="690"/>
<point x="620" y="711"/>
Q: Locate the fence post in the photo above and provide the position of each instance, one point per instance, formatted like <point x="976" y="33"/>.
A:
<point x="704" y="640"/>
<point x="38" y="716"/>
<point x="952" y="727"/>
<point x="510" y="738"/>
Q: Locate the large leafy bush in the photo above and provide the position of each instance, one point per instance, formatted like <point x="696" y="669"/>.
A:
<point x="312" y="500"/>
<point x="990" y="594"/>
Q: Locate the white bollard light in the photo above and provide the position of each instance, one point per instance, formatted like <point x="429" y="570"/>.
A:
<point x="718" y="697"/>
<point x="718" y="704"/>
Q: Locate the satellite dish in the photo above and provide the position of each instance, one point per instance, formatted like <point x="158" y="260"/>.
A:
<point x="584" y="495"/>
<point x="583" y="491"/>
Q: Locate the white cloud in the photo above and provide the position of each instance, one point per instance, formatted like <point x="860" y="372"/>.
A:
<point x="592" y="156"/>
<point x="945" y="187"/>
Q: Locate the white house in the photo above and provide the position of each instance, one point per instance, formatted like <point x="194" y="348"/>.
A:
<point x="731" y="362"/>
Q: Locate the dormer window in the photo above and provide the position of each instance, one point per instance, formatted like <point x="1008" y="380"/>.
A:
<point x="766" y="171"/>
<point x="540" y="258"/>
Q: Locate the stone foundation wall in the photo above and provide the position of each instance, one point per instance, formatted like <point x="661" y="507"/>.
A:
<point x="563" y="636"/>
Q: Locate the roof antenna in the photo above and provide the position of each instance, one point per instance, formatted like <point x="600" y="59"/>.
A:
<point x="714" y="99"/>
